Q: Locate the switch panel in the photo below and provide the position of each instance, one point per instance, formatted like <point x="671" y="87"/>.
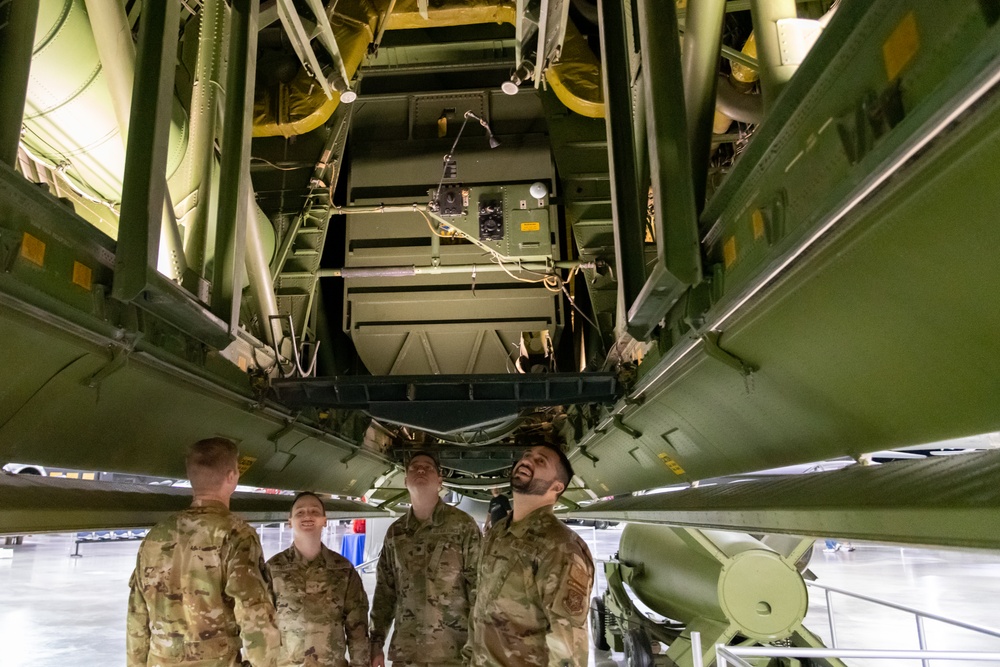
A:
<point x="490" y="219"/>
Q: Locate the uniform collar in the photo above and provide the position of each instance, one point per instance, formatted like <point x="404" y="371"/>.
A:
<point x="437" y="516"/>
<point x="299" y="559"/>
<point x="216" y="505"/>
<point x="536" y="517"/>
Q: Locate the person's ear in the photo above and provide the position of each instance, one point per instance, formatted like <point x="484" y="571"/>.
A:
<point x="560" y="487"/>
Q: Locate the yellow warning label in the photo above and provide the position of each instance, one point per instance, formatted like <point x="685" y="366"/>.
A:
<point x="33" y="249"/>
<point x="729" y="251"/>
<point x="530" y="226"/>
<point x="904" y="42"/>
<point x="605" y="486"/>
<point x="674" y="466"/>
<point x="82" y="275"/>
<point x="245" y="462"/>
<point x="88" y="475"/>
<point x="243" y="363"/>
<point x="757" y="219"/>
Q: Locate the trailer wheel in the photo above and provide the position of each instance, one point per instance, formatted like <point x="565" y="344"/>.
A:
<point x="598" y="624"/>
<point x="638" y="650"/>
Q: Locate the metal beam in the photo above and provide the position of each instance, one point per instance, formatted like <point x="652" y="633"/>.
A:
<point x="113" y="37"/>
<point x="676" y="224"/>
<point x="17" y="36"/>
<point x="145" y="184"/>
<point x="702" y="42"/>
<point x="773" y="73"/>
<point x="946" y="501"/>
<point x="301" y="43"/>
<point x="447" y="403"/>
<point x="628" y="195"/>
<point x="234" y="209"/>
<point x="39" y="504"/>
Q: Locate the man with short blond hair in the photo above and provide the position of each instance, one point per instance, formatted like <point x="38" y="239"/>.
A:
<point x="199" y="594"/>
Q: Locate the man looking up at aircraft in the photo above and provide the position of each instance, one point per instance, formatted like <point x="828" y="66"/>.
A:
<point x="322" y="604"/>
<point x="199" y="591"/>
<point x="535" y="575"/>
<point x="426" y="576"/>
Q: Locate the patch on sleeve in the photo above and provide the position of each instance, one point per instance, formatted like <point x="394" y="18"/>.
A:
<point x="575" y="600"/>
<point x="575" y="590"/>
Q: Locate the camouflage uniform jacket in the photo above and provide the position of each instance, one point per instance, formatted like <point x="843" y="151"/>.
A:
<point x="535" y="577"/>
<point x="426" y="583"/>
<point x="199" y="592"/>
<point x="322" y="610"/>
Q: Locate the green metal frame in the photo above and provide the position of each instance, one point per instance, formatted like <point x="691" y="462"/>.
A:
<point x="38" y="504"/>
<point x="17" y="38"/>
<point x="136" y="276"/>
<point x="145" y="169"/>
<point x="233" y="203"/>
<point x="625" y="152"/>
<point x="650" y="138"/>
<point x="948" y="501"/>
<point x="852" y="316"/>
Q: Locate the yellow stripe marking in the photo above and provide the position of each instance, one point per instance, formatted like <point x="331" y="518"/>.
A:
<point x="729" y="251"/>
<point x="33" y="249"/>
<point x="900" y="47"/>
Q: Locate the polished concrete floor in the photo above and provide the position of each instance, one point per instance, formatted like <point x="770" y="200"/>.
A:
<point x="59" y="611"/>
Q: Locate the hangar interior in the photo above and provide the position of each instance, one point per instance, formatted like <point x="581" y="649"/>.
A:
<point x="684" y="241"/>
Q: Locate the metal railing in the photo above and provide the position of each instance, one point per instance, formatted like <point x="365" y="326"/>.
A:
<point x="733" y="655"/>
<point x="726" y="655"/>
<point x="919" y="617"/>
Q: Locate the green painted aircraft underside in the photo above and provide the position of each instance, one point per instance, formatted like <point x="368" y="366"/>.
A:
<point x="833" y="294"/>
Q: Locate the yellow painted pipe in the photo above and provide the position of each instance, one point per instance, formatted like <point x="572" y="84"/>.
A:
<point x="300" y="106"/>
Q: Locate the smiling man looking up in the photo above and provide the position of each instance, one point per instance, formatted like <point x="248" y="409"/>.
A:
<point x="426" y="577"/>
<point x="322" y="605"/>
<point x="535" y="575"/>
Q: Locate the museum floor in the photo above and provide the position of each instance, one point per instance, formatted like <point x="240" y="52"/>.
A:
<point x="59" y="611"/>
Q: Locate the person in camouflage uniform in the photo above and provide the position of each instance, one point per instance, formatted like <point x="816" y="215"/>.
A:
<point x="426" y="577"/>
<point x="199" y="592"/>
<point x="322" y="604"/>
<point x="535" y="576"/>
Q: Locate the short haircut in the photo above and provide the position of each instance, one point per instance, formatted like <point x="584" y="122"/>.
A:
<point x="430" y="455"/>
<point x="566" y="473"/>
<point x="208" y="462"/>
<point x="302" y="494"/>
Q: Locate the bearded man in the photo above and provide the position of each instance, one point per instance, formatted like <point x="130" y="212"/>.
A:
<point x="535" y="576"/>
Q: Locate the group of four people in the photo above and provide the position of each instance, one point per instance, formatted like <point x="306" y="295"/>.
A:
<point x="201" y="593"/>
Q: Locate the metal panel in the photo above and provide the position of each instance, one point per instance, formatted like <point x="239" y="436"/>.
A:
<point x="947" y="501"/>
<point x="448" y="403"/>
<point x="71" y="402"/>
<point x="867" y="338"/>
<point x="36" y="504"/>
